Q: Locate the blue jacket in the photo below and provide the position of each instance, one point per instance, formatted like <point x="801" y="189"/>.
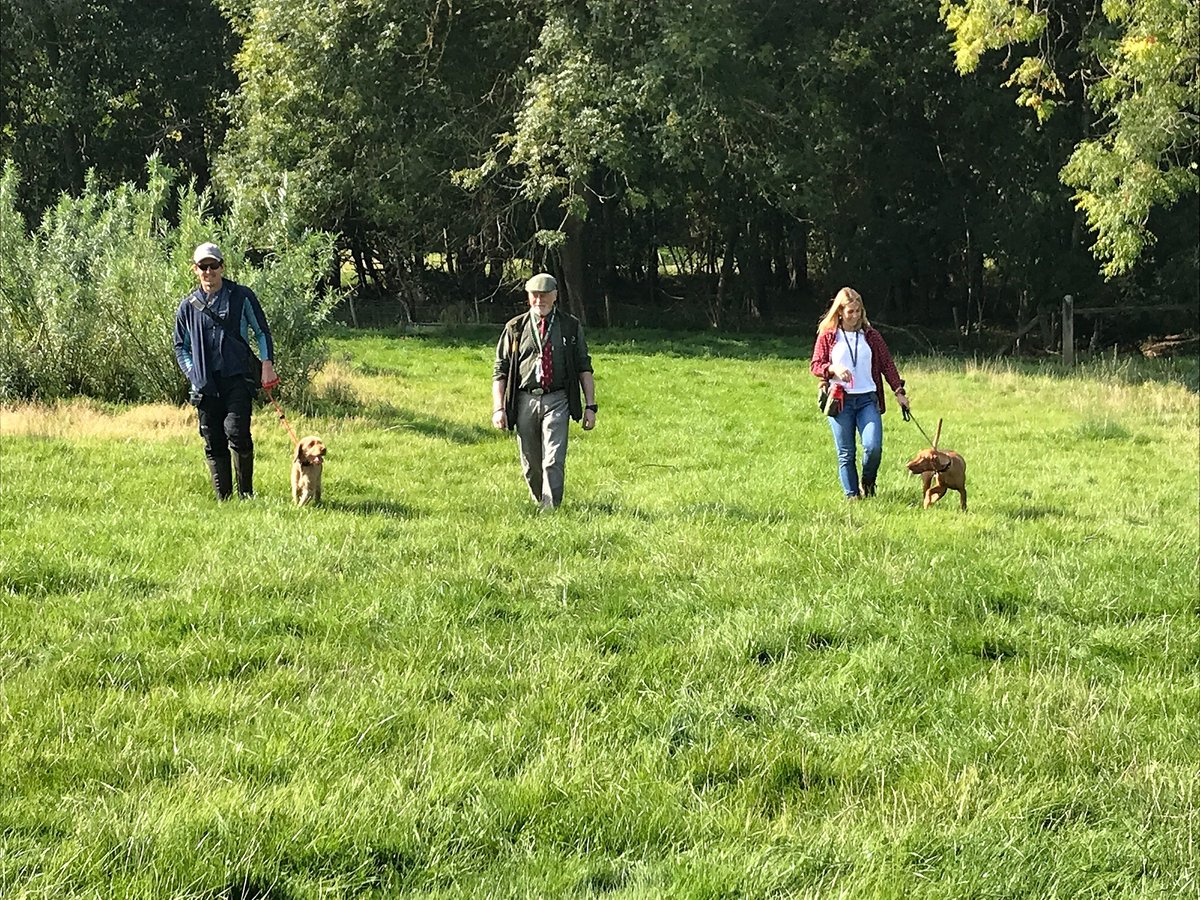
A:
<point x="202" y="347"/>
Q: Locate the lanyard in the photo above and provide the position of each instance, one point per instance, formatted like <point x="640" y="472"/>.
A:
<point x="853" y="351"/>
<point x="208" y="305"/>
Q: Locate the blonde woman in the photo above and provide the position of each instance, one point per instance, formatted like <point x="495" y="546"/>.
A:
<point x="851" y="353"/>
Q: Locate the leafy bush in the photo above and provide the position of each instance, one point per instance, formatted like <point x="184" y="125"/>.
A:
<point x="88" y="300"/>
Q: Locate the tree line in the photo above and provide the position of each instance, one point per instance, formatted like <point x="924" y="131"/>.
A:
<point x="727" y="162"/>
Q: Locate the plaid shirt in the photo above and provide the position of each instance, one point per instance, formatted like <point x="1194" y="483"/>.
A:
<point x="882" y="366"/>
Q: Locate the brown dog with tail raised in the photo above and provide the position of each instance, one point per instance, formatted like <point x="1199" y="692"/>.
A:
<point x="940" y="471"/>
<point x="306" y="471"/>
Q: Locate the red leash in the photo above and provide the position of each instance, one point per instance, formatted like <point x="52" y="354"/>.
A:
<point x="282" y="417"/>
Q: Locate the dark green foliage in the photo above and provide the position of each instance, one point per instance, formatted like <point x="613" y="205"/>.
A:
<point x="88" y="85"/>
<point x="1134" y="63"/>
<point x="679" y="164"/>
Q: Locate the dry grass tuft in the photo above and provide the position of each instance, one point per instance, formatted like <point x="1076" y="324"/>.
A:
<point x="81" y="418"/>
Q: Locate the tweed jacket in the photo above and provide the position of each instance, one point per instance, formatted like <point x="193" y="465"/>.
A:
<point x="570" y="348"/>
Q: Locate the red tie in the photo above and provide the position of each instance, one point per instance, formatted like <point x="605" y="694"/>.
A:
<point x="547" y="366"/>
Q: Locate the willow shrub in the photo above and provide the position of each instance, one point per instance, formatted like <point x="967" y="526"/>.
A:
<point x="88" y="299"/>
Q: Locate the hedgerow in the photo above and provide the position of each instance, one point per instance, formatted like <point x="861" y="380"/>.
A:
<point x="88" y="298"/>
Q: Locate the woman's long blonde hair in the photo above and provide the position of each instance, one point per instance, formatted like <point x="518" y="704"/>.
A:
<point x="833" y="318"/>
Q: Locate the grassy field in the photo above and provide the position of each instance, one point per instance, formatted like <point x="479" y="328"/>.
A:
<point x="705" y="676"/>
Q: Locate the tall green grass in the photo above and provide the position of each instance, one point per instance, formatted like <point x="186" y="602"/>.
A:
<point x="705" y="676"/>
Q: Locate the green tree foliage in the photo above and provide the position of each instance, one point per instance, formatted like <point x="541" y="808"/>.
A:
<point x="359" y="110"/>
<point x="100" y="86"/>
<point x="780" y="139"/>
<point x="88" y="300"/>
<point x="769" y="152"/>
<point x="1137" y="63"/>
<point x="678" y="108"/>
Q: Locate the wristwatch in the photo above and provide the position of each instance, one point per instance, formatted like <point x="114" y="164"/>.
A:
<point x="592" y="406"/>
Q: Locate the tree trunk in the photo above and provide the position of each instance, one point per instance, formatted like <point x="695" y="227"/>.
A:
<point x="360" y="265"/>
<point x="608" y="275"/>
<point x="716" y="310"/>
<point x="754" y="266"/>
<point x="652" y="289"/>
<point x="975" y="274"/>
<point x="574" y="271"/>
<point x="495" y="256"/>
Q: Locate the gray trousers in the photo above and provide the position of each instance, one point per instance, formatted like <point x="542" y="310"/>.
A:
<point x="542" y="443"/>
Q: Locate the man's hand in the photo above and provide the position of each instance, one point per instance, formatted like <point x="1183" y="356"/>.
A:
<point x="269" y="378"/>
<point x="500" y="420"/>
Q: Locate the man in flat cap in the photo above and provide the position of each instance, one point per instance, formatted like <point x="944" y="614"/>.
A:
<point x="542" y="367"/>
<point x="213" y="326"/>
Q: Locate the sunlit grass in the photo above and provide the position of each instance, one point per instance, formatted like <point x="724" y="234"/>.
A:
<point x="706" y="675"/>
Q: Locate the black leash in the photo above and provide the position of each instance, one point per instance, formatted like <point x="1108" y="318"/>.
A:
<point x="909" y="417"/>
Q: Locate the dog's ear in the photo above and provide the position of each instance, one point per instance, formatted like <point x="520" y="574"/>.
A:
<point x="942" y="459"/>
<point x="300" y="452"/>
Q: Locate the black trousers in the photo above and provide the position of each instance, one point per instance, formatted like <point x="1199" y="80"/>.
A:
<point x="225" y="419"/>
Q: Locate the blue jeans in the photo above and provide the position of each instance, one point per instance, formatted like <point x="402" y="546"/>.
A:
<point x="861" y="414"/>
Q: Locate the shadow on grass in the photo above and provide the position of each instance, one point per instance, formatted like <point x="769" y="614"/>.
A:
<point x="993" y="650"/>
<point x="39" y="579"/>
<point x="604" y="876"/>
<point x="704" y="512"/>
<point x="388" y="509"/>
<point x="389" y="417"/>
<point x="630" y="341"/>
<point x="733" y="512"/>
<point x="339" y="403"/>
<point x="1132" y="370"/>
<point x="253" y="888"/>
<point x="779" y="648"/>
<point x="1032" y="512"/>
<point x="611" y="508"/>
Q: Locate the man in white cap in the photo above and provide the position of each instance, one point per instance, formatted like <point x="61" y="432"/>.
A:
<point x="213" y="326"/>
<point x="542" y="366"/>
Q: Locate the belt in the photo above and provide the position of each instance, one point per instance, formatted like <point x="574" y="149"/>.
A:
<point x="538" y="392"/>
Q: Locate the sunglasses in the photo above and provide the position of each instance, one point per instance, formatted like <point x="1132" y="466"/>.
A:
<point x="208" y="267"/>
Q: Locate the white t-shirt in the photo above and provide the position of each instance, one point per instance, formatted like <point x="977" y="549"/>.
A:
<point x="851" y="350"/>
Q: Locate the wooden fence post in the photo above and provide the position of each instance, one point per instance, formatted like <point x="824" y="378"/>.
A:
<point x="1068" y="330"/>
